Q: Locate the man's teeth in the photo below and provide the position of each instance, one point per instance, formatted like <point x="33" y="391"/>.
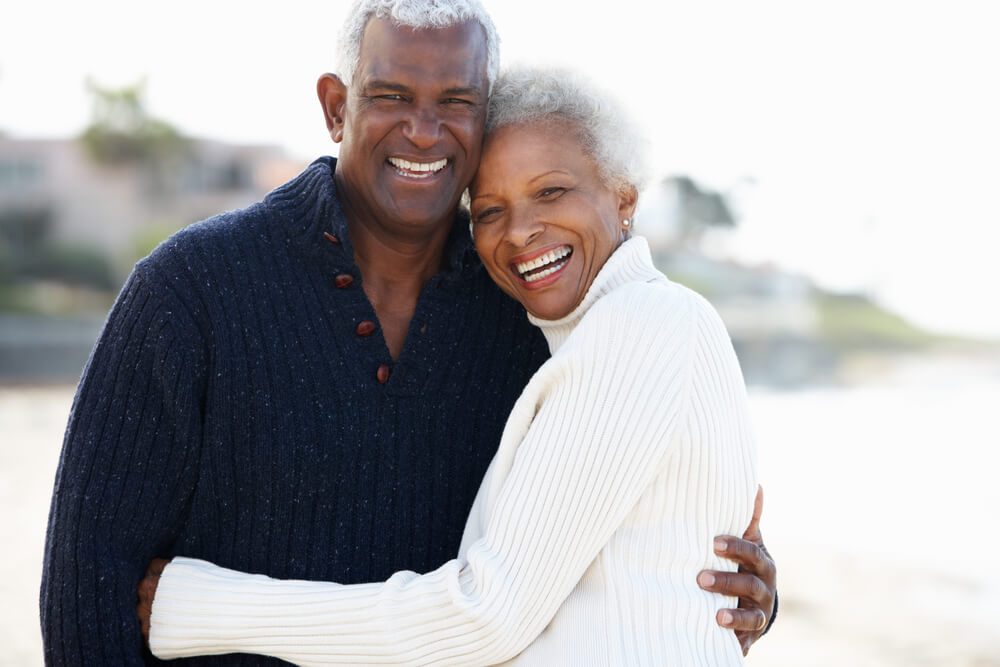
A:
<point x="553" y="260"/>
<point x="417" y="169"/>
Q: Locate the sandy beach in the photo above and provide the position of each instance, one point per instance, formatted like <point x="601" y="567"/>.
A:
<point x="878" y="508"/>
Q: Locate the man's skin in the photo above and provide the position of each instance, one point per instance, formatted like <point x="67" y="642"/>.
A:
<point x="755" y="584"/>
<point x="421" y="96"/>
<point x="422" y="100"/>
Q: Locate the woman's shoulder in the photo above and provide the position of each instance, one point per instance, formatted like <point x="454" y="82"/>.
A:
<point x="653" y="300"/>
<point x="657" y="313"/>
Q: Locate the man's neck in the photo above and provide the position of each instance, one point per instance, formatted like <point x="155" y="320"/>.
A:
<point x="396" y="261"/>
<point x="395" y="265"/>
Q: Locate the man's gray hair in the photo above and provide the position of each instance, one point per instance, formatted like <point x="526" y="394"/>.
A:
<point x="531" y="95"/>
<point x="419" y="15"/>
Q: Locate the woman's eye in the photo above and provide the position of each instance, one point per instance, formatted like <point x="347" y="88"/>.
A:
<point x="551" y="193"/>
<point x="489" y="215"/>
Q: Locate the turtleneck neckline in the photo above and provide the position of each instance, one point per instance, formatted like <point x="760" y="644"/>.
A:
<point x="630" y="262"/>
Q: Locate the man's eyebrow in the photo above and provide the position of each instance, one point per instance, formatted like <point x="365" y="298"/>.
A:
<point x="462" y="90"/>
<point x="387" y="85"/>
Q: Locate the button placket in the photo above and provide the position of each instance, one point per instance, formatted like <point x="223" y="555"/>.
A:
<point x="364" y="328"/>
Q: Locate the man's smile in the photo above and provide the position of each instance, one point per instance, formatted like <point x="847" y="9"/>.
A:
<point x="417" y="170"/>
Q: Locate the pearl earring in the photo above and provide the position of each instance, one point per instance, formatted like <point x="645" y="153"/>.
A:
<point x="626" y="222"/>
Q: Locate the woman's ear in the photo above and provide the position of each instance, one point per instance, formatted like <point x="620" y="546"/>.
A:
<point x="332" y="95"/>
<point x="628" y="195"/>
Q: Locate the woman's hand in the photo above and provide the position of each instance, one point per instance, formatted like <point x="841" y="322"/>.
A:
<point x="754" y="584"/>
<point x="147" y="591"/>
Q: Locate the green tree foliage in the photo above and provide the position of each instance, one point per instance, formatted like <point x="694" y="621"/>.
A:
<point x="28" y="253"/>
<point x="698" y="209"/>
<point x="701" y="207"/>
<point x="122" y="131"/>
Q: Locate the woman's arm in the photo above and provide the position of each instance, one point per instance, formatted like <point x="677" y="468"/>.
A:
<point x="606" y="410"/>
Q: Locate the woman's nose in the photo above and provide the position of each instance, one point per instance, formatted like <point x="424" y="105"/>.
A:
<point x="524" y="227"/>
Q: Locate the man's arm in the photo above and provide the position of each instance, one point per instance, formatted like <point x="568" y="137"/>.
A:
<point x="592" y="446"/>
<point x="755" y="584"/>
<point x="126" y="471"/>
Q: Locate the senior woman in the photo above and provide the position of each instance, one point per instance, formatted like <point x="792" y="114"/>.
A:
<point x="625" y="454"/>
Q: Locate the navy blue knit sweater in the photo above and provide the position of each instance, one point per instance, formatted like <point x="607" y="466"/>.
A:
<point x="233" y="411"/>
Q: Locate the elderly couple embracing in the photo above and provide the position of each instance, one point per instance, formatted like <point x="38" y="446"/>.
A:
<point x="332" y="414"/>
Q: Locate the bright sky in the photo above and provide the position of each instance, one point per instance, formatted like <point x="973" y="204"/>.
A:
<point x="859" y="139"/>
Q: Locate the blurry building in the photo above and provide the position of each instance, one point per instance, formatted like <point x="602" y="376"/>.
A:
<point x="772" y="316"/>
<point x="71" y="227"/>
<point x="54" y="187"/>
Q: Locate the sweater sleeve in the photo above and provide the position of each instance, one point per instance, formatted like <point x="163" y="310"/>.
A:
<point x="126" y="471"/>
<point x="613" y="398"/>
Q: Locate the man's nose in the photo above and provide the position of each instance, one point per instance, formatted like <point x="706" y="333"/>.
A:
<point x="423" y="127"/>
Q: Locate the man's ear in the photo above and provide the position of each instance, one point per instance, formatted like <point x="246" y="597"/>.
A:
<point x="333" y="98"/>
<point x="628" y="195"/>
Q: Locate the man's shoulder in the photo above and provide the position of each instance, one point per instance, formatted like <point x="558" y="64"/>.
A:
<point x="230" y="236"/>
<point x="205" y="242"/>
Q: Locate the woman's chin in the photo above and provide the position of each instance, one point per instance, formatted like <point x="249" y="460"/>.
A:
<point x="550" y="306"/>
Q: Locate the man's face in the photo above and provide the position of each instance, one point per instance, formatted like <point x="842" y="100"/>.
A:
<point x="413" y="122"/>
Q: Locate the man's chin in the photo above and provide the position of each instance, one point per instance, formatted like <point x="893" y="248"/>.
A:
<point x="429" y="220"/>
<point x="438" y="210"/>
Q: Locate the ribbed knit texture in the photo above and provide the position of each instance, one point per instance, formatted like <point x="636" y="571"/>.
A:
<point x="231" y="412"/>
<point x="628" y="451"/>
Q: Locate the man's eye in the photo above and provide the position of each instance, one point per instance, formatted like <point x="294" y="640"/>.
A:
<point x="391" y="96"/>
<point x="458" y="100"/>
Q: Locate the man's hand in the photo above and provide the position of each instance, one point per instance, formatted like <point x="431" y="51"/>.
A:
<point x="754" y="584"/>
<point x="147" y="591"/>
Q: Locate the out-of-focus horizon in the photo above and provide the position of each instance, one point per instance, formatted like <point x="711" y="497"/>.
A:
<point x="857" y="140"/>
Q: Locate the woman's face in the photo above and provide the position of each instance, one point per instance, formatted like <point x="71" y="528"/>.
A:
<point x="543" y="220"/>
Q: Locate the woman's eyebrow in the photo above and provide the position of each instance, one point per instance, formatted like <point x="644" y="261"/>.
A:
<point x="551" y="171"/>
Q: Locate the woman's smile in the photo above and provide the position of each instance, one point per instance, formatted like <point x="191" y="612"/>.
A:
<point x="542" y="268"/>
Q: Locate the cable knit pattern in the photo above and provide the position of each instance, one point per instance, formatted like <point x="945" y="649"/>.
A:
<point x="231" y="412"/>
<point x="627" y="452"/>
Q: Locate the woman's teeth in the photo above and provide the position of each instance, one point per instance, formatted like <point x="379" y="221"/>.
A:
<point x="549" y="263"/>
<point x="417" y="169"/>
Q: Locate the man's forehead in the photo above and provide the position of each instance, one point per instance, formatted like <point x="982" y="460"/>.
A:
<point x="456" y="54"/>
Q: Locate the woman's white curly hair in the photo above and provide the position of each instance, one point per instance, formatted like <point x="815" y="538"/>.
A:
<point x="537" y="95"/>
<point x="417" y="14"/>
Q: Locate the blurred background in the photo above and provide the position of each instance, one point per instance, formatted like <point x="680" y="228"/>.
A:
<point x="824" y="172"/>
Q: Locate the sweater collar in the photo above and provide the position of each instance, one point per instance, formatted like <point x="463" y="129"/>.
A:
<point x="631" y="262"/>
<point x="313" y="215"/>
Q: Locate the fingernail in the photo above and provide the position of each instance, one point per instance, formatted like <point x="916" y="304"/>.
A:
<point x="706" y="579"/>
<point x="720" y="544"/>
<point x="727" y="618"/>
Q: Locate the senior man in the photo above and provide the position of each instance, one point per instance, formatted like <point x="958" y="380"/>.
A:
<point x="312" y="387"/>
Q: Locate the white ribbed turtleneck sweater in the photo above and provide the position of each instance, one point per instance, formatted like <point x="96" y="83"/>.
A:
<point x="628" y="451"/>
